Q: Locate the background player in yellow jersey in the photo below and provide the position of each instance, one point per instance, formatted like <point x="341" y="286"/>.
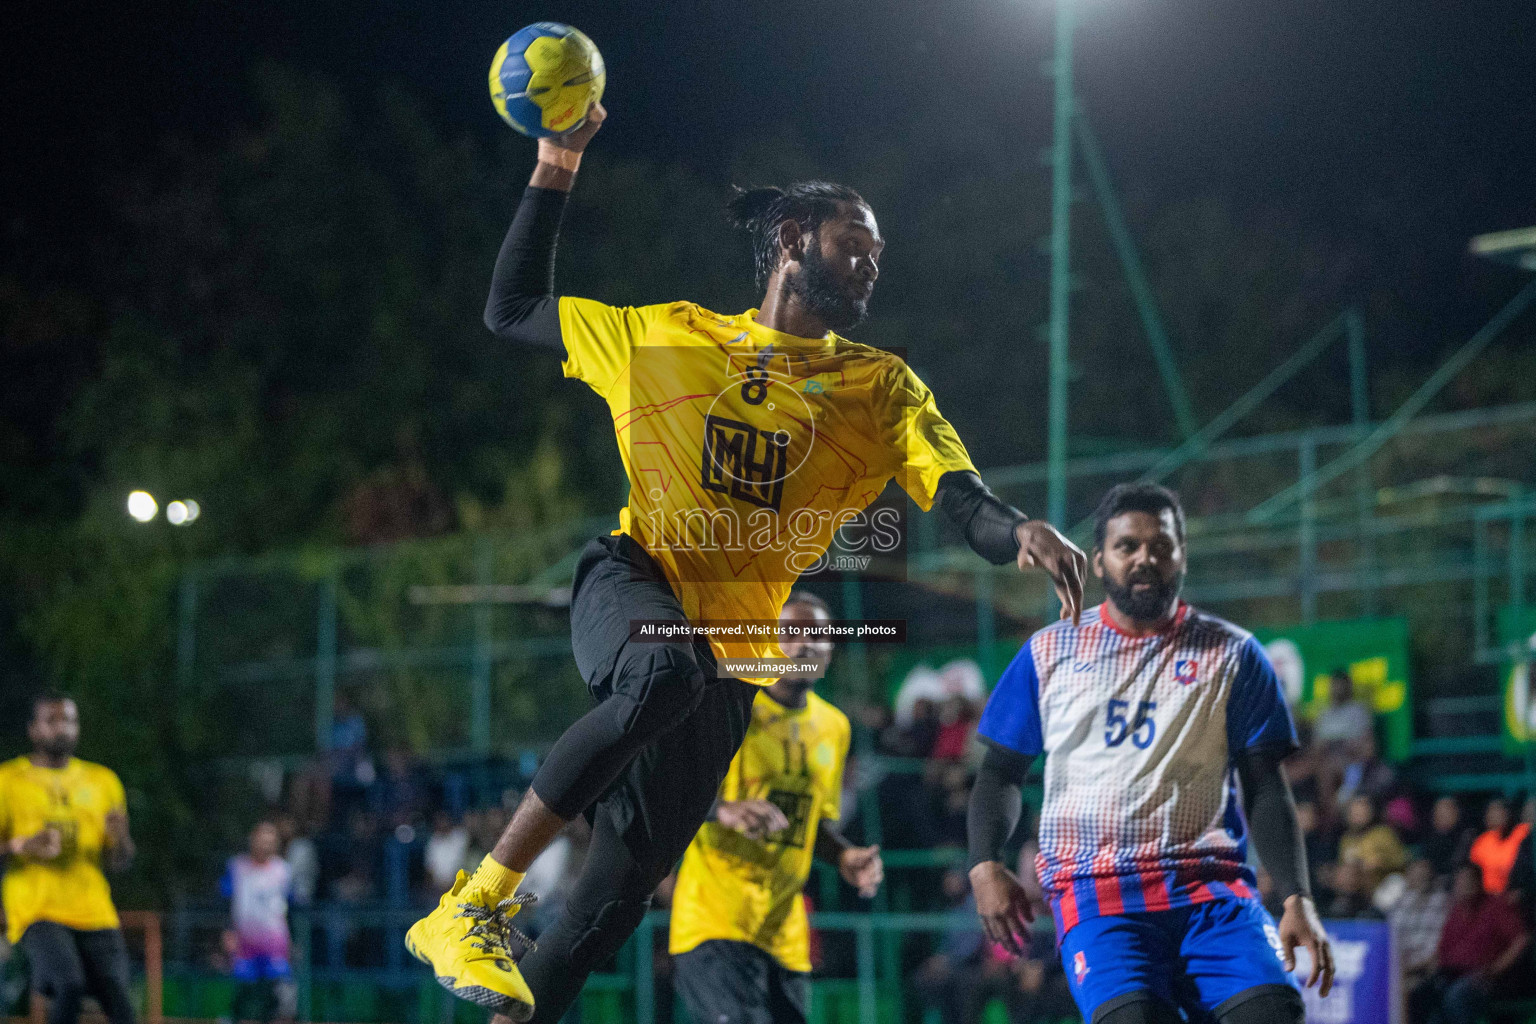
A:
<point x="748" y="440"/>
<point x="740" y="940"/>
<point x="60" y="818"/>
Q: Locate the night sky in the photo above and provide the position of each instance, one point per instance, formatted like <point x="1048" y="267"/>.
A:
<point x="1407" y="126"/>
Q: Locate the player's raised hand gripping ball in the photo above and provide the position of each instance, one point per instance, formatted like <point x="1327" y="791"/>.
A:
<point x="544" y="79"/>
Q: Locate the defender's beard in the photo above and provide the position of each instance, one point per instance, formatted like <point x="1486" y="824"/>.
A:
<point x="1144" y="605"/>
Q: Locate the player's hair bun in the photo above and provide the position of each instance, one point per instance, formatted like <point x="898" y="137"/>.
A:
<point x="747" y="206"/>
<point x="761" y="211"/>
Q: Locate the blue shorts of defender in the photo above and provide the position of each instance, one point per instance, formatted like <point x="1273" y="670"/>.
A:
<point x="1197" y="958"/>
<point x="260" y="967"/>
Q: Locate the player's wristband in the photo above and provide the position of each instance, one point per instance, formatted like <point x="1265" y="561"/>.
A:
<point x="568" y="159"/>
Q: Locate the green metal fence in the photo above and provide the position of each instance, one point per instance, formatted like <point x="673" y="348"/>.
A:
<point x="468" y="632"/>
<point x="876" y="990"/>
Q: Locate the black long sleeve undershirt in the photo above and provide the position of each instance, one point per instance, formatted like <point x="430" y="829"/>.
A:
<point x="989" y="524"/>
<point x="522" y="306"/>
<point x="997" y="800"/>
<point x="1271" y="812"/>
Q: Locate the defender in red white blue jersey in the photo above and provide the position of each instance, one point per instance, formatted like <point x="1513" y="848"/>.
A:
<point x="1163" y="729"/>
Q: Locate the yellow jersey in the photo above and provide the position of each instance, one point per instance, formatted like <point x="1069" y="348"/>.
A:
<point x="747" y="449"/>
<point x="70" y="889"/>
<point x="747" y="890"/>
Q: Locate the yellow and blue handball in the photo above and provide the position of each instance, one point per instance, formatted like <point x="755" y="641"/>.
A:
<point x="545" y="77"/>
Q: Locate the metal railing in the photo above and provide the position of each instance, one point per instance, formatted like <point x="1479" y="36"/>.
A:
<point x="633" y="978"/>
<point x="287" y="632"/>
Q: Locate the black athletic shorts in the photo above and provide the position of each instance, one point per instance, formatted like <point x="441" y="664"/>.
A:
<point x="659" y="801"/>
<point x="723" y="982"/>
<point x="67" y="964"/>
<point x="617" y="581"/>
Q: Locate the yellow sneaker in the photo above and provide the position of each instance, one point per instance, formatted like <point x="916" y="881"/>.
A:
<point x="471" y="946"/>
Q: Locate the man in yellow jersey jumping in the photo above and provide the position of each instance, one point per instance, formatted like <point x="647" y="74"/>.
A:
<point x="749" y="441"/>
<point x="59" y="818"/>
<point x="741" y="944"/>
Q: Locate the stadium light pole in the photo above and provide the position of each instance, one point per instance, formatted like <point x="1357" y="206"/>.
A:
<point x="1061" y="267"/>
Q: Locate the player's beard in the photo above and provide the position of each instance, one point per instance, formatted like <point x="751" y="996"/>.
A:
<point x="59" y="748"/>
<point x="818" y="286"/>
<point x="1147" y="605"/>
<point x="798" y="686"/>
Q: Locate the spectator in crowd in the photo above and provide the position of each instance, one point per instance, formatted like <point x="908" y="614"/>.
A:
<point x="1040" y="974"/>
<point x="303" y="859"/>
<point x="400" y="795"/>
<point x="309" y="795"/>
<point x="1301" y="768"/>
<point x="1339" y="734"/>
<point x="911" y="817"/>
<point x="1370" y="843"/>
<point x="352" y="769"/>
<point x="475" y="828"/>
<point x="1322" y="839"/>
<point x="1449" y="840"/>
<point x="940" y="978"/>
<point x="355" y="857"/>
<point x="446" y="853"/>
<point x="1346" y="722"/>
<point x="1494" y="851"/>
<point x="1482" y="939"/>
<point x="484" y="829"/>
<point x="873" y="719"/>
<point x="1352" y="894"/>
<point x="1522" y="875"/>
<point x="948" y="788"/>
<point x="1417" y="920"/>
<point x="1364" y="774"/>
<point x="917" y="737"/>
<point x="957" y="724"/>
<point x="966" y="972"/>
<point x="257" y="884"/>
<point x="349" y="732"/>
<point x="1400" y="812"/>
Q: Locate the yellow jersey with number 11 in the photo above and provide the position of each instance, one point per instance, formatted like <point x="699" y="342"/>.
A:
<point x="747" y="890"/>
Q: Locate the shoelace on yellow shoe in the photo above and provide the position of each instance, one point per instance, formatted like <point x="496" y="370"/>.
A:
<point x="496" y="933"/>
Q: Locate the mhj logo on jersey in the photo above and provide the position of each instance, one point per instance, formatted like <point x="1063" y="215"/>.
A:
<point x="1079" y="966"/>
<point x="1184" y="671"/>
<point x="733" y="463"/>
